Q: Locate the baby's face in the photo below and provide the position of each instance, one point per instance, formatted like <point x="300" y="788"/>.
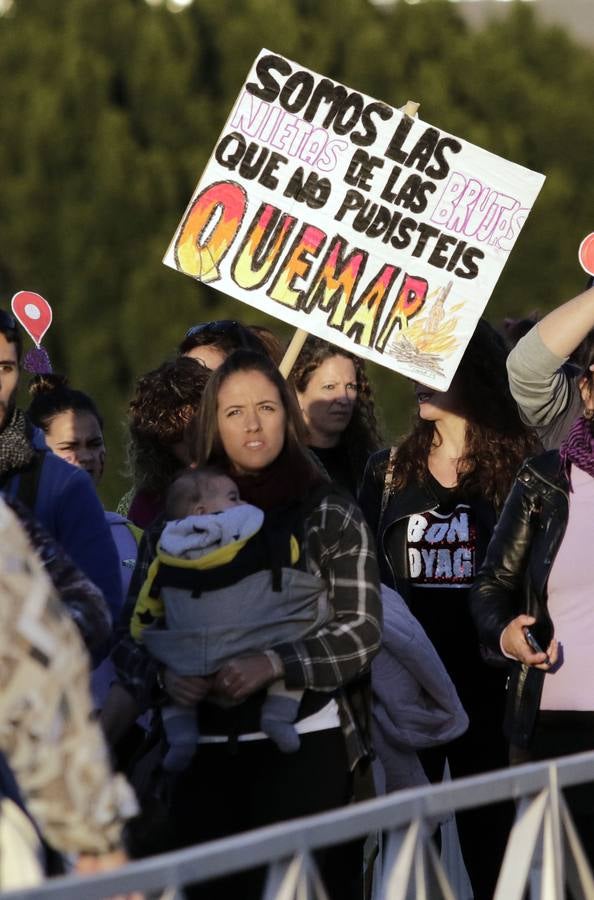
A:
<point x="222" y="494"/>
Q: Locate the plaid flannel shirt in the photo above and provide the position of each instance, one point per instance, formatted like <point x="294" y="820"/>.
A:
<point x="338" y="547"/>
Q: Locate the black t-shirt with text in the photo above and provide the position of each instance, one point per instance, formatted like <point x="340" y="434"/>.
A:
<point x="441" y="550"/>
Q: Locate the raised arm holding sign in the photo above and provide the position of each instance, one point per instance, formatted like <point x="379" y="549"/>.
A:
<point x="547" y="391"/>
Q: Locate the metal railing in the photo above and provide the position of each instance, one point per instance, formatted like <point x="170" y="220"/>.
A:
<point x="543" y="853"/>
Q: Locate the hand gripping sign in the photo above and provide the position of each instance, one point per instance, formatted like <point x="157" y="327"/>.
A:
<point x="353" y="220"/>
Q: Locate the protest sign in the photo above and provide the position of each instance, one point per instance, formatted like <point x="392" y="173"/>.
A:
<point x="353" y="221"/>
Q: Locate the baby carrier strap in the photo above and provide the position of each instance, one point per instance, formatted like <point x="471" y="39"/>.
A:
<point x="272" y="547"/>
<point x="292" y="520"/>
<point x="135" y="531"/>
<point x="281" y="544"/>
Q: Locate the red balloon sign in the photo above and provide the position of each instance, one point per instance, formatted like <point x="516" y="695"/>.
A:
<point x="33" y="312"/>
<point x="586" y="254"/>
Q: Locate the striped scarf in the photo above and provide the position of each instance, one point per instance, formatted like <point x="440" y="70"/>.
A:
<point x="16" y="451"/>
<point x="578" y="447"/>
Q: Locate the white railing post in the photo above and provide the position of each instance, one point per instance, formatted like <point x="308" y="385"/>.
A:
<point x="411" y="867"/>
<point x="279" y="873"/>
<point x="553" y="880"/>
<point x="521" y="846"/>
<point x="398" y="862"/>
<point x="578" y="872"/>
<point x="440" y="885"/>
<point x="294" y="879"/>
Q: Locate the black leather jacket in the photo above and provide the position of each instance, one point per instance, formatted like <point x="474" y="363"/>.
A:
<point x="514" y="576"/>
<point x="414" y="498"/>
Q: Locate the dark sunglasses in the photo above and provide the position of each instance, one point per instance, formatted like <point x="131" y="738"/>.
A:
<point x="245" y="338"/>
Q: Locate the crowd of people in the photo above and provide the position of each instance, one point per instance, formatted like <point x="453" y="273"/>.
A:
<point x="233" y="607"/>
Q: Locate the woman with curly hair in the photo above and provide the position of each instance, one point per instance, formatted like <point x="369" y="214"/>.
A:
<point x="165" y="402"/>
<point x="73" y="429"/>
<point x="338" y="409"/>
<point x="432" y="502"/>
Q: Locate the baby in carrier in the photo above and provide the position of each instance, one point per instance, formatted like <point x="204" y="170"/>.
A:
<point x="224" y="584"/>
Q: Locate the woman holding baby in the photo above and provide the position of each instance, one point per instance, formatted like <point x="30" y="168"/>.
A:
<point x="250" y="427"/>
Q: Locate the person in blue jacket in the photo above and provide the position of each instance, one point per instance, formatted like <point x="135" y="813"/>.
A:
<point x="73" y="429"/>
<point x="60" y="496"/>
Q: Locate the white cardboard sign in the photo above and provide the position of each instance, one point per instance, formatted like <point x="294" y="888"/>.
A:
<point x="344" y="217"/>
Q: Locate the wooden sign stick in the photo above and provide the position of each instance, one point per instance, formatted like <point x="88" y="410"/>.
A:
<point x="299" y="338"/>
<point x="411" y="108"/>
<point x="292" y="352"/>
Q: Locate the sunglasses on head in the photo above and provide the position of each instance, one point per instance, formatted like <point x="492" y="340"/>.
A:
<point x="244" y="337"/>
<point x="220" y="326"/>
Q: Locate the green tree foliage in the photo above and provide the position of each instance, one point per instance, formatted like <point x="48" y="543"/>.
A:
<point x="110" y="109"/>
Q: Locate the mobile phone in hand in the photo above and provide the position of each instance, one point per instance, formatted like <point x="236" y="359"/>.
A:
<point x="531" y="641"/>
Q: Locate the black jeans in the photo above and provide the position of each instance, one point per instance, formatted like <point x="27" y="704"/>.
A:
<point x="228" y="792"/>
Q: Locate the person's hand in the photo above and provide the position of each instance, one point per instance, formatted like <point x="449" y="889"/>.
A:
<point x="186" y="690"/>
<point x="105" y="862"/>
<point x="243" y="676"/>
<point x="514" y="643"/>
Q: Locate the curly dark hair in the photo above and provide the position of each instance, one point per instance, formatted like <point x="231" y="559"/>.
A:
<point x="361" y="437"/>
<point x="497" y="441"/>
<point x="165" y="402"/>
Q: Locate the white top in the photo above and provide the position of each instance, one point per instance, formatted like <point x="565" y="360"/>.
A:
<point x="571" y="604"/>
